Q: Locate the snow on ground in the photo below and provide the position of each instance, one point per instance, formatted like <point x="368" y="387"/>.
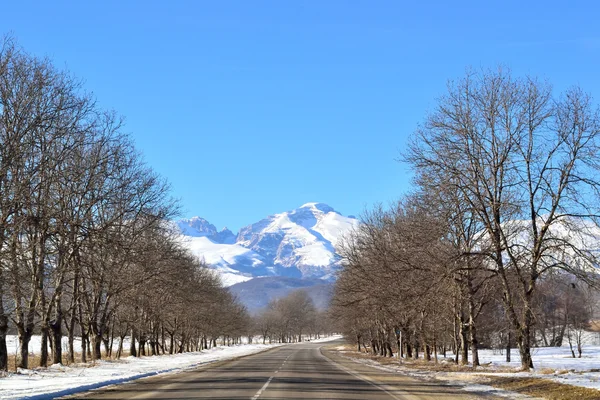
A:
<point x="59" y="380"/>
<point x="326" y="339"/>
<point x="554" y="363"/>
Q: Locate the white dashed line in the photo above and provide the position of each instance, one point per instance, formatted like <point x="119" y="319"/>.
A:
<point x="262" y="389"/>
<point x="257" y="395"/>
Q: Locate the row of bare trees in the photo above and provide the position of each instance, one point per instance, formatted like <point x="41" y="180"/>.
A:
<point x="84" y="247"/>
<point x="290" y="319"/>
<point x="505" y="207"/>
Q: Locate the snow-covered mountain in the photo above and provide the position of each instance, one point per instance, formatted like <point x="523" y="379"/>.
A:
<point x="199" y="227"/>
<point x="300" y="243"/>
<point x="196" y="227"/>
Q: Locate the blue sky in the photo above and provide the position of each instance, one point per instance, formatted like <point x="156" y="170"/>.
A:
<point x="250" y="108"/>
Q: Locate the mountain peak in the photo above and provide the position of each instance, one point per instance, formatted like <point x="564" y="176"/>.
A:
<point x="224" y="236"/>
<point x="318" y="206"/>
<point x="196" y="226"/>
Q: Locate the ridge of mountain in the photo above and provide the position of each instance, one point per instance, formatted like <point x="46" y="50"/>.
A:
<point x="300" y="243"/>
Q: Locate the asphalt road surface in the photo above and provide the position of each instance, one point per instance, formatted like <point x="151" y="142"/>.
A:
<point x="298" y="371"/>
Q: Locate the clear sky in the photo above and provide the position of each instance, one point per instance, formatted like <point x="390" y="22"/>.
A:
<point x="250" y="108"/>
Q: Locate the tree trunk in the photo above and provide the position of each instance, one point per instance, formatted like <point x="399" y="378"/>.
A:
<point x="84" y="340"/>
<point x="73" y="316"/>
<point x="571" y="345"/>
<point x="107" y="346"/>
<point x="524" y="343"/>
<point x="388" y="345"/>
<point x="96" y="346"/>
<point x="132" y="350"/>
<point x="71" y="339"/>
<point x="408" y="350"/>
<point x="472" y="327"/>
<point x="171" y="341"/>
<point x="142" y="347"/>
<point x="416" y="351"/>
<point x="24" y="338"/>
<point x="3" y="331"/>
<point x="508" y="340"/>
<point x="464" y="344"/>
<point x="474" y="343"/>
<point x="120" y="348"/>
<point x="44" y="345"/>
<point x="56" y="338"/>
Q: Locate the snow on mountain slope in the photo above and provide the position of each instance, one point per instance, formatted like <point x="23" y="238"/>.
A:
<point x="333" y="225"/>
<point x="196" y="227"/>
<point x="199" y="227"/>
<point x="298" y="243"/>
<point x="223" y="256"/>
<point x="224" y="236"/>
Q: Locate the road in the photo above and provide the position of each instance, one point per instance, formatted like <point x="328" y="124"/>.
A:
<point x="299" y="371"/>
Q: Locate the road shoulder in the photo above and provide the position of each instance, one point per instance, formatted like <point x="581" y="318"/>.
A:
<point x="402" y="381"/>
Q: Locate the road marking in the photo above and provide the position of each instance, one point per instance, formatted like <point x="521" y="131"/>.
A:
<point x="257" y="395"/>
<point x="262" y="389"/>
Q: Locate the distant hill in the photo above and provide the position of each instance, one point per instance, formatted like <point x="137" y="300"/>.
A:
<point x="256" y="293"/>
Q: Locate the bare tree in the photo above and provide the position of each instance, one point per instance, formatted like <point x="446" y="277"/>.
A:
<point x="526" y="164"/>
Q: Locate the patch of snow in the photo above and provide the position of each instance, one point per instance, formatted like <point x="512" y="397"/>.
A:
<point x="327" y="339"/>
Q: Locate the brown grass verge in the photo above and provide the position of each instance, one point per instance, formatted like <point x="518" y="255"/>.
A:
<point x="535" y="387"/>
<point x="420" y="363"/>
<point x="544" y="388"/>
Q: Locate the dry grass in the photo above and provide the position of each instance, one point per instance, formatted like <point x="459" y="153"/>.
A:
<point x="544" y="388"/>
<point x="546" y="371"/>
<point x="420" y="363"/>
<point x="594" y="326"/>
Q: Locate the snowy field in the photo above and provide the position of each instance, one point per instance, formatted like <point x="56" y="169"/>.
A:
<point x="59" y="380"/>
<point x="555" y="363"/>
